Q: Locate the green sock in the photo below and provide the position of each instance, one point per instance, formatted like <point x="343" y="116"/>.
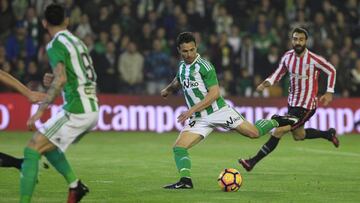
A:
<point x="29" y="171"/>
<point x="58" y="160"/>
<point x="264" y="126"/>
<point x="182" y="160"/>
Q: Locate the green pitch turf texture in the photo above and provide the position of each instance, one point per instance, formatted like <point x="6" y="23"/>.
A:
<point x="133" y="167"/>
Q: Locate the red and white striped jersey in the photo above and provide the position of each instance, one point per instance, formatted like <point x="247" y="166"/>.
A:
<point x="304" y="73"/>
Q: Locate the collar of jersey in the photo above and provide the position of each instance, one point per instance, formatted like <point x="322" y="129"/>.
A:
<point x="60" y="32"/>
<point x="189" y="65"/>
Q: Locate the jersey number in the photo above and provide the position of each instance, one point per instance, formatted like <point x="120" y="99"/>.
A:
<point x="89" y="68"/>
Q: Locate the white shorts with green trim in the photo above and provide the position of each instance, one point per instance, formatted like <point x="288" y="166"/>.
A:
<point x="226" y="117"/>
<point x="65" y="128"/>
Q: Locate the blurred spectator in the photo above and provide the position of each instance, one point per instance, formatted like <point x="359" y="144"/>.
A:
<point x="157" y="69"/>
<point x="103" y="22"/>
<point x="7" y="19"/>
<point x="100" y="44"/>
<point x="33" y="78"/>
<point x="234" y="39"/>
<point x="248" y="54"/>
<point x="19" y="70"/>
<point x="127" y="22"/>
<point x="84" y="27"/>
<point x="222" y="19"/>
<point x="355" y="80"/>
<point x="74" y="13"/>
<point x="116" y="34"/>
<point x="20" y="7"/>
<point x="20" y="45"/>
<point x="196" y="20"/>
<point x="33" y="25"/>
<point x="263" y="39"/>
<point x="6" y="66"/>
<point x="130" y="68"/>
<point x="105" y="68"/>
<point x="145" y="39"/>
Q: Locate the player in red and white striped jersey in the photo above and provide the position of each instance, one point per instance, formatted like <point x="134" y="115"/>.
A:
<point x="303" y="67"/>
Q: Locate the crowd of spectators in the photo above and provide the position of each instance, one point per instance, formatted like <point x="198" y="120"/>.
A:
<point x="132" y="42"/>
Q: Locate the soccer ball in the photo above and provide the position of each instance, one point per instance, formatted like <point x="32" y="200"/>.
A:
<point x="230" y="180"/>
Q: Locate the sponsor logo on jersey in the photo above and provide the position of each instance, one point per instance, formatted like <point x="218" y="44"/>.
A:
<point x="190" y="84"/>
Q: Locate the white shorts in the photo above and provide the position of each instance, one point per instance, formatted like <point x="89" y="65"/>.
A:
<point x="226" y="117"/>
<point x="65" y="128"/>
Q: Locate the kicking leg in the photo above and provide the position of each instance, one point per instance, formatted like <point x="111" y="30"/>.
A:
<point x="184" y="142"/>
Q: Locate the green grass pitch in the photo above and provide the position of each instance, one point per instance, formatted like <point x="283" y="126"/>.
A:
<point x="132" y="167"/>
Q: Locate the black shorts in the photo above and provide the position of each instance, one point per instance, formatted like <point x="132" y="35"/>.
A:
<point x="301" y="113"/>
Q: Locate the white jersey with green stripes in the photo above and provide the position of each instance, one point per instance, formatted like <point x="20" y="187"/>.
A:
<point x="79" y="92"/>
<point x="196" y="79"/>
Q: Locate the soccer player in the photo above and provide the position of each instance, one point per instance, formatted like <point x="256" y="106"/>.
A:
<point x="303" y="67"/>
<point x="5" y="159"/>
<point x="74" y="75"/>
<point x="207" y="109"/>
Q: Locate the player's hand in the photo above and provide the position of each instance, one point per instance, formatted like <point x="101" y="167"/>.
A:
<point x="326" y="98"/>
<point x="48" y="78"/>
<point x="184" y="116"/>
<point x="35" y="97"/>
<point x="164" y="93"/>
<point x="262" y="86"/>
<point x="31" y="122"/>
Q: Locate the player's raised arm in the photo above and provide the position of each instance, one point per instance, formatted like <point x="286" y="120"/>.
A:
<point x="172" y="87"/>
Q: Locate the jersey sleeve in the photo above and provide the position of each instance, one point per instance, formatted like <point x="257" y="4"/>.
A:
<point x="56" y="53"/>
<point x="279" y="72"/>
<point x="209" y="75"/>
<point x="327" y="68"/>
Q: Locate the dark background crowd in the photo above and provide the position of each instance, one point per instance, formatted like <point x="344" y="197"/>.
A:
<point x="132" y="42"/>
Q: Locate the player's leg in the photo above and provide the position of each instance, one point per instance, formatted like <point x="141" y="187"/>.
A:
<point x="7" y="160"/>
<point x="30" y="166"/>
<point x="266" y="149"/>
<point x="193" y="133"/>
<point x="66" y="130"/>
<point x="300" y="133"/>
<point x="311" y="133"/>
<point x="185" y="141"/>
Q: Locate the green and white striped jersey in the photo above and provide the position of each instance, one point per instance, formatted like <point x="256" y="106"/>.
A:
<point x="79" y="92"/>
<point x="195" y="79"/>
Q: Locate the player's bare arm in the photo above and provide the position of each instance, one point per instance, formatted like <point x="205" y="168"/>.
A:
<point x="54" y="90"/>
<point x="172" y="87"/>
<point x="10" y="81"/>
<point x="213" y="94"/>
<point x="263" y="85"/>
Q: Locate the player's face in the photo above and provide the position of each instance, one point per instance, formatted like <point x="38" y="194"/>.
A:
<point x="188" y="52"/>
<point x="298" y="42"/>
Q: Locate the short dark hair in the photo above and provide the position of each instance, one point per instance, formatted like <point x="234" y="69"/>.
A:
<point x="185" y="37"/>
<point x="300" y="30"/>
<point x="55" y="14"/>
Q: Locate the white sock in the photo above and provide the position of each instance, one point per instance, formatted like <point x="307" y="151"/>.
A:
<point x="74" y="184"/>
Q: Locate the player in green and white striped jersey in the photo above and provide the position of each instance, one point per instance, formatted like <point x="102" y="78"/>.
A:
<point x="207" y="108"/>
<point x="73" y="74"/>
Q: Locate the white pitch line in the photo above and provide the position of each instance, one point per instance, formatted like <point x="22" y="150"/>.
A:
<point x="102" y="181"/>
<point x="352" y="154"/>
